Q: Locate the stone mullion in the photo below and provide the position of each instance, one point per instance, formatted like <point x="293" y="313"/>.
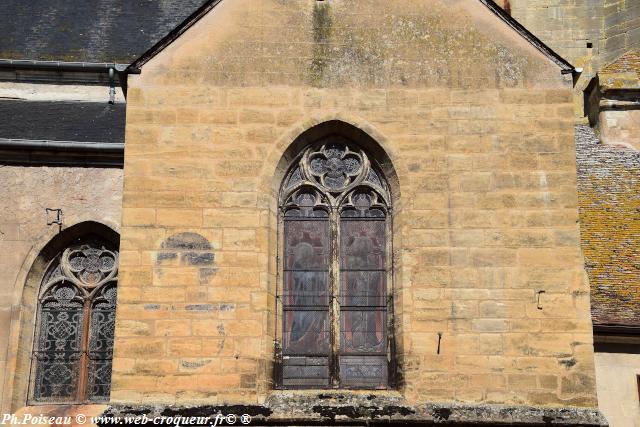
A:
<point x="334" y="314"/>
<point x="83" y="368"/>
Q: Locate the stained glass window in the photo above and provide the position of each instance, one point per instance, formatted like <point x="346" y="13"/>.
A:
<point x="73" y="346"/>
<point x="335" y="301"/>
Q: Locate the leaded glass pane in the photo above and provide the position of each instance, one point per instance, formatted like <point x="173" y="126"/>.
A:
<point x="58" y="346"/>
<point x="306" y="288"/>
<point x="305" y="371"/>
<point x="306" y="332"/>
<point x="363" y="331"/>
<point x="103" y="316"/>
<point x="362" y="289"/>
<point x="364" y="371"/>
<point x="56" y="376"/>
<point x="306" y="346"/>
<point x="306" y="301"/>
<point x="362" y="245"/>
<point x="363" y="295"/>
<point x="99" y="382"/>
<point x="306" y="245"/>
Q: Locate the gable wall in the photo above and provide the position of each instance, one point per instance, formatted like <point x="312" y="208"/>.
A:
<point x="479" y="127"/>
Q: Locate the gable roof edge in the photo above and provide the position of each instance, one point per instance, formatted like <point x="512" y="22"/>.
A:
<point x="164" y="42"/>
<point x="529" y="36"/>
<point x="565" y="66"/>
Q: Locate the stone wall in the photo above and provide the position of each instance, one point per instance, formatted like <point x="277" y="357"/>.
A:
<point x="587" y="33"/>
<point x="611" y="27"/>
<point x="479" y="128"/>
<point x="83" y="194"/>
<point x="617" y="375"/>
<point x="621" y="128"/>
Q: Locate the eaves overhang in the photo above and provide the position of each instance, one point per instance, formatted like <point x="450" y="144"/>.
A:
<point x="61" y="153"/>
<point x="63" y="72"/>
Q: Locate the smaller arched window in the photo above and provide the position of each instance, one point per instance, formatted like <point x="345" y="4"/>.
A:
<point x="73" y="344"/>
<point x="335" y="302"/>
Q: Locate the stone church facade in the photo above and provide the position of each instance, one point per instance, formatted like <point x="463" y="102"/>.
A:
<point x="329" y="211"/>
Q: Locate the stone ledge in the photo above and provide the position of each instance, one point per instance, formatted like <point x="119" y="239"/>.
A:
<point x="342" y="409"/>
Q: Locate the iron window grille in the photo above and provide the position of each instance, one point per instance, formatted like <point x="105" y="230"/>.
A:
<point x="73" y="344"/>
<point x="336" y="308"/>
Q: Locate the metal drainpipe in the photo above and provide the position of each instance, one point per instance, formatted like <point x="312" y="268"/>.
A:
<point x="112" y="86"/>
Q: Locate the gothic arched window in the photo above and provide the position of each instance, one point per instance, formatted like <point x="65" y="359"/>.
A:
<point x="335" y="206"/>
<point x="73" y="344"/>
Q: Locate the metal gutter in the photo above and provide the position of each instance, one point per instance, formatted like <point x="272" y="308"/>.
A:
<point x="87" y="67"/>
<point x="101" y="73"/>
<point x="27" y="144"/>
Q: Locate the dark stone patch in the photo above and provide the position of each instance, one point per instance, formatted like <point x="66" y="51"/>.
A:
<point x="194" y="364"/>
<point x="568" y="363"/>
<point x="200" y="307"/>
<point x="195" y="258"/>
<point x="247" y="381"/>
<point x="361" y="411"/>
<point x="163" y="256"/>
<point x="252" y="410"/>
<point x="227" y="307"/>
<point x="188" y="240"/>
<point x="442" y="414"/>
<point x="205" y="274"/>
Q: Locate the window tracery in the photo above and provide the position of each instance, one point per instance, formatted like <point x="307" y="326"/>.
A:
<point x="335" y="302"/>
<point x="73" y="346"/>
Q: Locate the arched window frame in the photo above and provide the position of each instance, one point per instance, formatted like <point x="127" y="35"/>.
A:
<point x="336" y="203"/>
<point x="82" y="281"/>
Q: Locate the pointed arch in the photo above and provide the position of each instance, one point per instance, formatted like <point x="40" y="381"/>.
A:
<point x="72" y="281"/>
<point x="317" y="129"/>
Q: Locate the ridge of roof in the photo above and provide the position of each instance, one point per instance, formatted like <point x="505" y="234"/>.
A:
<point x="565" y="66"/>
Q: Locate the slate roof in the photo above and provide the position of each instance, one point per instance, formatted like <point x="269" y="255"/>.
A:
<point x="63" y="121"/>
<point x="87" y="30"/>
<point x="609" y="199"/>
<point x="627" y="63"/>
<point x="623" y="73"/>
